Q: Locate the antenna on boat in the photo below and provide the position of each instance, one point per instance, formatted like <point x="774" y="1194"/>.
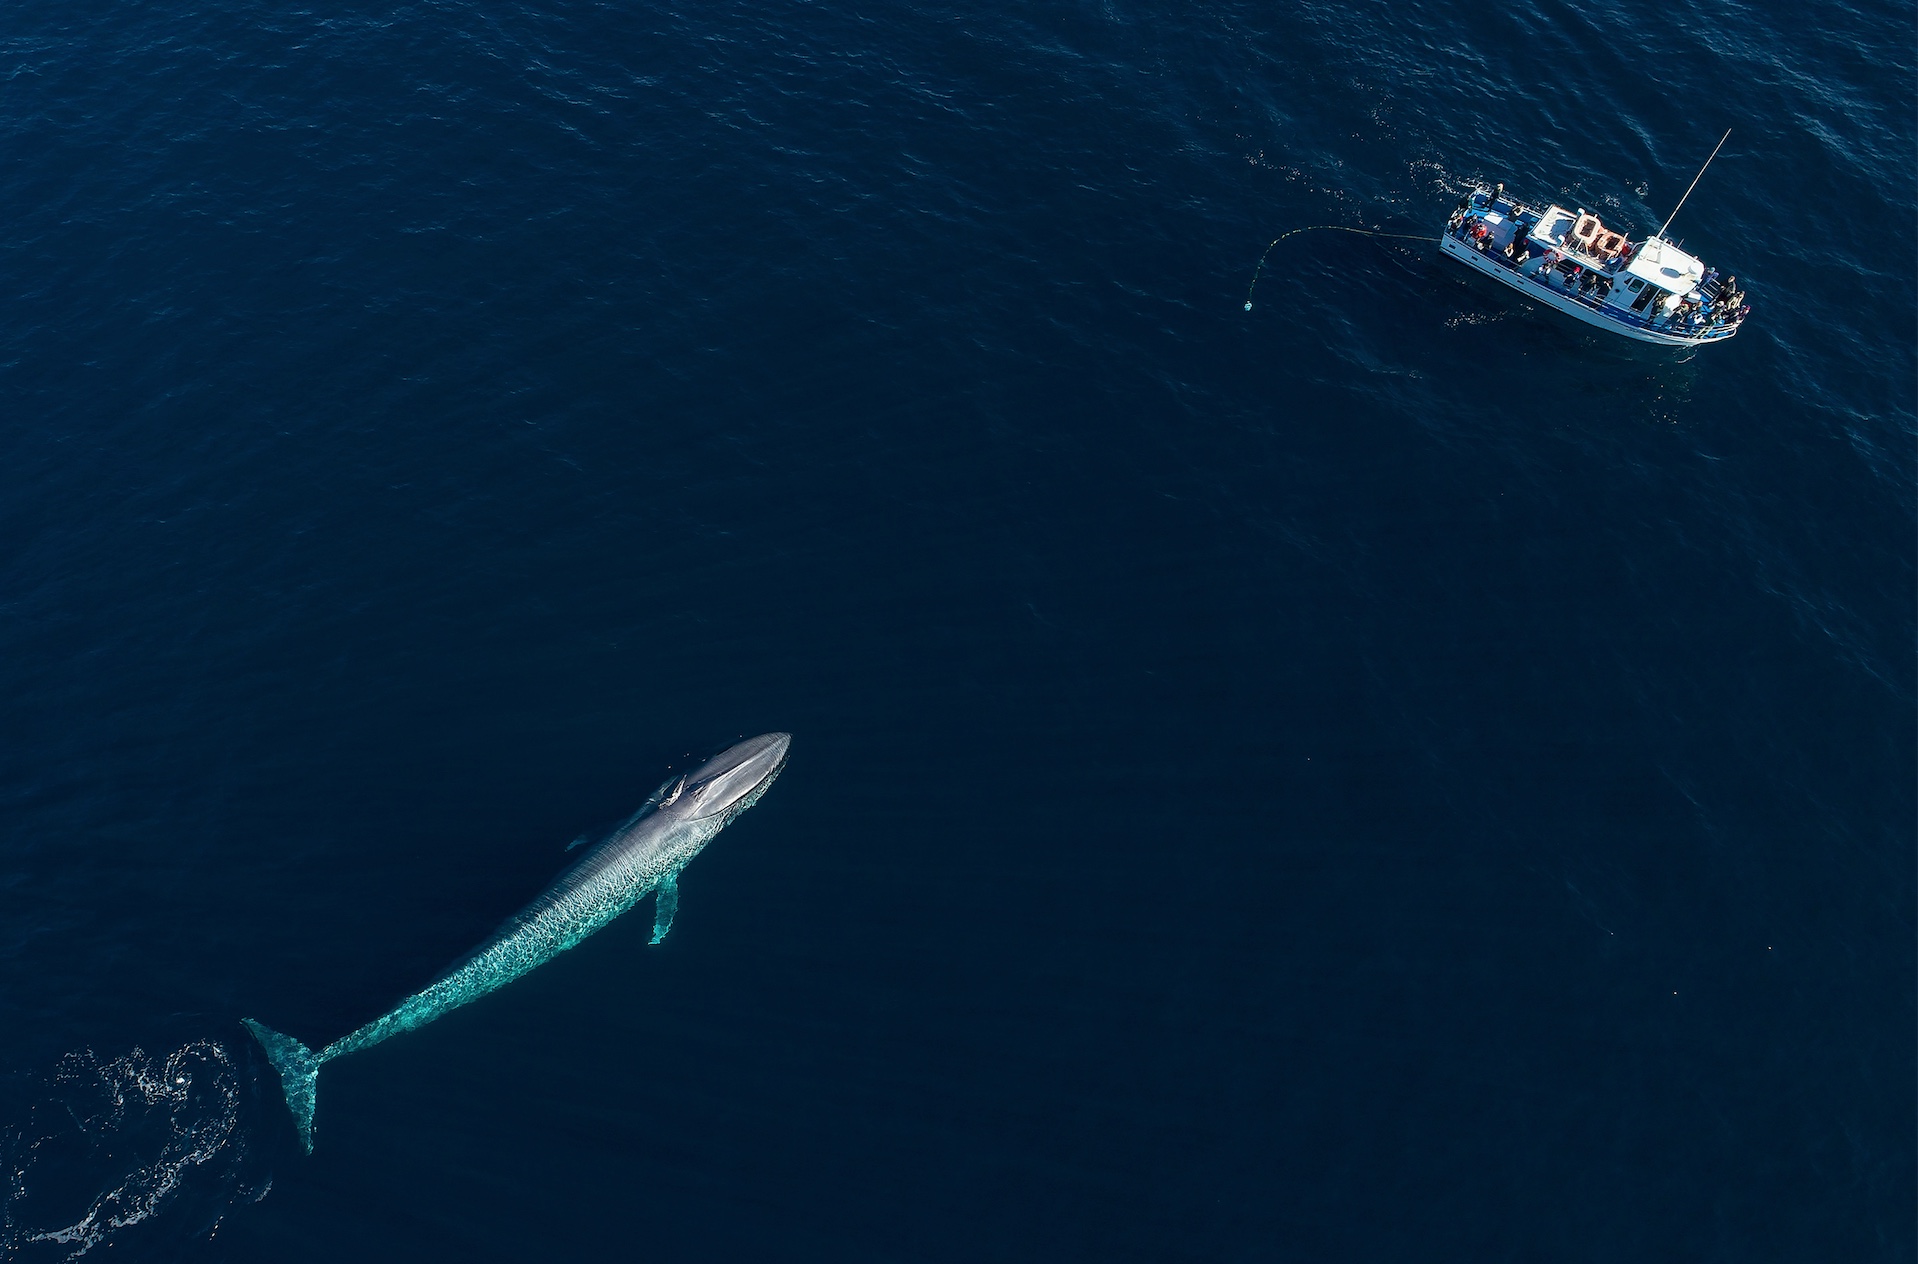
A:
<point x="1694" y="184"/>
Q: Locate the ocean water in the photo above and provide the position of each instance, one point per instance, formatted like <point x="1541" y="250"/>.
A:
<point x="1389" y="775"/>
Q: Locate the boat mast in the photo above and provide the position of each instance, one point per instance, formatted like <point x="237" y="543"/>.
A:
<point x="1693" y="185"/>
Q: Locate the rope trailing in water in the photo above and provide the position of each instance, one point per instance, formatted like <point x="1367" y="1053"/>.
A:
<point x="1363" y="232"/>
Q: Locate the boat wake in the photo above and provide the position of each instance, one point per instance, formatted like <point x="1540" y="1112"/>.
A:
<point x="101" y="1147"/>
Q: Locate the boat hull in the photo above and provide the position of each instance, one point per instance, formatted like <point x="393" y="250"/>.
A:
<point x="1551" y="298"/>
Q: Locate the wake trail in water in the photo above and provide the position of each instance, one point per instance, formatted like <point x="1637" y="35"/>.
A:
<point x="103" y="1146"/>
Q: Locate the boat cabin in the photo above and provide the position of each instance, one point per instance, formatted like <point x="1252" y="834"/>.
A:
<point x="1660" y="263"/>
<point x="1659" y="274"/>
<point x="1578" y="235"/>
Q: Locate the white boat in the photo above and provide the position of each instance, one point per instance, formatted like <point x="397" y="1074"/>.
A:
<point x="1569" y="260"/>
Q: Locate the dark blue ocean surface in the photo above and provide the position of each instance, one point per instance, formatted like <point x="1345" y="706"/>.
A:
<point x="1392" y="775"/>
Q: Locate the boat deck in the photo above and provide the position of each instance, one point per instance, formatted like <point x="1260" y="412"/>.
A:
<point x="1549" y="283"/>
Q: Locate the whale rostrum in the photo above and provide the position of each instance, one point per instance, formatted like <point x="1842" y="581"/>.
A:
<point x="643" y="856"/>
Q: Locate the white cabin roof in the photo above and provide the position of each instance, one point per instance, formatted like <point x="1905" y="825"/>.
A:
<point x="1554" y="230"/>
<point x="1666" y="266"/>
<point x="1553" y="225"/>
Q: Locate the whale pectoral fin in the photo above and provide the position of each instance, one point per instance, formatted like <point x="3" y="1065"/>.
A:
<point x="665" y="904"/>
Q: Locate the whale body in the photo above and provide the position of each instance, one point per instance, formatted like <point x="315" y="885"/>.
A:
<point x="641" y="857"/>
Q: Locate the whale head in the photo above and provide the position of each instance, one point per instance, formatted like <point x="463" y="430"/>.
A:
<point x="729" y="782"/>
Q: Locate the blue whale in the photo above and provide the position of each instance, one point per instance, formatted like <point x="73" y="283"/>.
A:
<point x="643" y="856"/>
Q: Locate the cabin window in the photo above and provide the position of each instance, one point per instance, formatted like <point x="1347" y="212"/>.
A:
<point x="1636" y="285"/>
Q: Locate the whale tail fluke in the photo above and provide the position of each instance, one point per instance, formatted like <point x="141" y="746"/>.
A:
<point x="299" y="1075"/>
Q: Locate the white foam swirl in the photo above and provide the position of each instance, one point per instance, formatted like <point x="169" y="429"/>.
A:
<point x="127" y="1135"/>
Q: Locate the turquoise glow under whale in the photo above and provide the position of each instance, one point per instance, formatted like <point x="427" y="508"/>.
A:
<point x="642" y="857"/>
